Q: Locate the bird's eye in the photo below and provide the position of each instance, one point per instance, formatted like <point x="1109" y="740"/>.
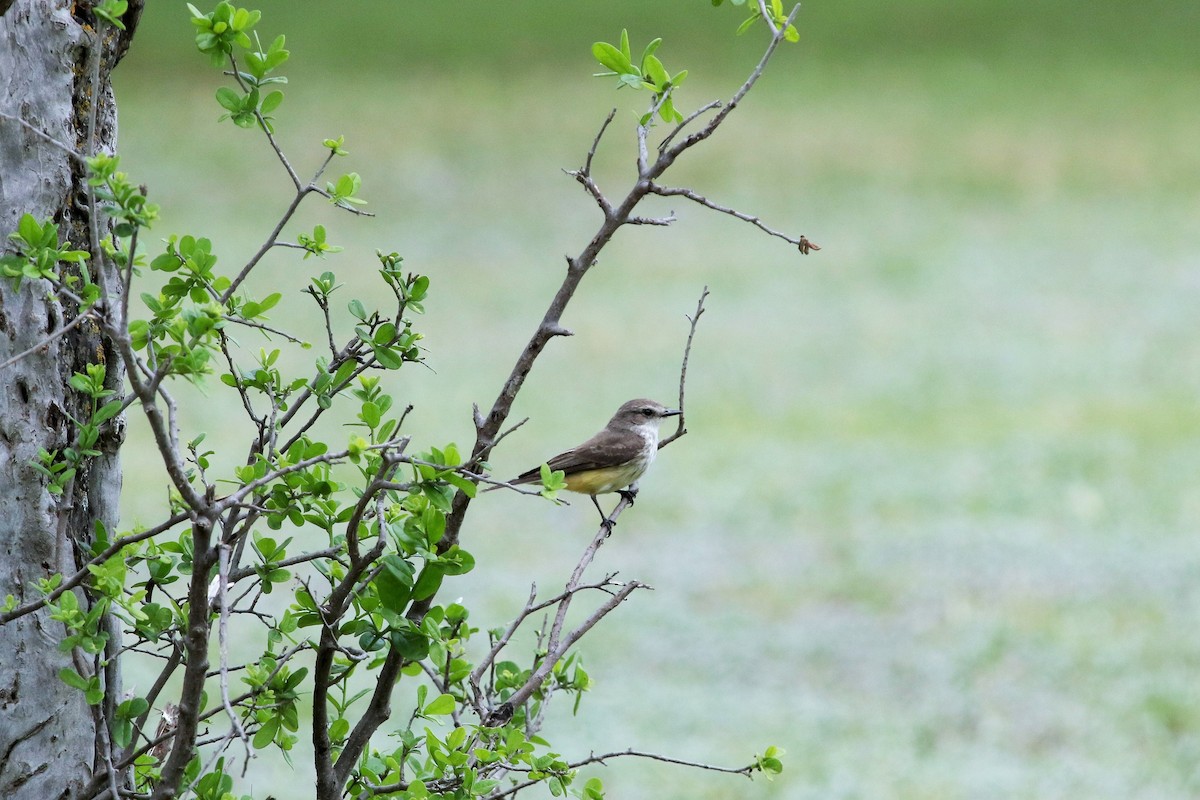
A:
<point x="649" y="412"/>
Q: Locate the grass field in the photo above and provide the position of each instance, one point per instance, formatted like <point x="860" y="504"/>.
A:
<point x="934" y="528"/>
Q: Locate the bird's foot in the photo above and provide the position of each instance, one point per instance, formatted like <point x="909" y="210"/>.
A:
<point x="606" y="521"/>
<point x="628" y="495"/>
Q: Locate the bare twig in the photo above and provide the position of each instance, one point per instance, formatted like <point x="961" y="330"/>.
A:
<point x="600" y="759"/>
<point x="265" y="328"/>
<point x="681" y="429"/>
<point x="49" y="339"/>
<point x="801" y="242"/>
<point x="70" y="151"/>
<point x="594" y="759"/>
<point x="688" y="120"/>
<point x="587" y="164"/>
<point x="531" y="607"/>
<point x="557" y="643"/>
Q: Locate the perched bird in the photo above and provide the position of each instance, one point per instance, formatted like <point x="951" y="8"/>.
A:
<point x="615" y="457"/>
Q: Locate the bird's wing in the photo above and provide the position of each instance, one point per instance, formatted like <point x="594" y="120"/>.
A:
<point x="605" y="449"/>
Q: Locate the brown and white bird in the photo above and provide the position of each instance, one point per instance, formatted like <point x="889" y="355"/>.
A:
<point x="615" y="457"/>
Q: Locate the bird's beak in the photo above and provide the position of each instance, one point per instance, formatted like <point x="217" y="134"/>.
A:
<point x="672" y="412"/>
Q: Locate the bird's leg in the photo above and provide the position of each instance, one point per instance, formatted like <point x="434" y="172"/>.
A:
<point x="606" y="521"/>
<point x="628" y="494"/>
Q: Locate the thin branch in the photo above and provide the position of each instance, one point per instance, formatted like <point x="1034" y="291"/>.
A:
<point x="687" y="352"/>
<point x="266" y="246"/>
<point x="236" y="74"/>
<point x="530" y="608"/>
<point x="503" y="435"/>
<point x="587" y="164"/>
<point x="265" y="328"/>
<point x="49" y="339"/>
<point x="325" y="458"/>
<point x="770" y="20"/>
<point x="522" y="695"/>
<point x="245" y="572"/>
<point x="659" y="221"/>
<point x="747" y="770"/>
<point x="666" y="191"/>
<point x="70" y="151"/>
<point x="81" y="575"/>
<point x="689" y="119"/>
<point x="594" y="759"/>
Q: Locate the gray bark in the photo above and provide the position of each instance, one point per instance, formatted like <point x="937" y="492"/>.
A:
<point x="47" y="732"/>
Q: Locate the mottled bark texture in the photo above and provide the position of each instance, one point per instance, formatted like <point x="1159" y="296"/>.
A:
<point x="47" y="80"/>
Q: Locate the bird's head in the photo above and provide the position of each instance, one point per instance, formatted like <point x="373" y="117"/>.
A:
<point x="641" y="414"/>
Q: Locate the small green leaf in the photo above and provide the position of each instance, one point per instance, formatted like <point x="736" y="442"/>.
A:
<point x="229" y="99"/>
<point x="612" y="58"/>
<point x="654" y="70"/>
<point x="441" y="705"/>
<point x="394" y="583"/>
<point x="72" y="678"/>
<point x="387" y="358"/>
<point x="370" y="414"/>
<point x="385" y="333"/>
<point x="428" y="582"/>
<point x="29" y="230"/>
<point x="271" y="102"/>
<point x="266" y="734"/>
<point x="107" y="411"/>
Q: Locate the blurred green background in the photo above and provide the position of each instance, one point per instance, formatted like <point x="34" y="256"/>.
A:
<point x="934" y="528"/>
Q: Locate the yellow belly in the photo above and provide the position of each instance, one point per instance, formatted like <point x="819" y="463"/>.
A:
<point x="608" y="479"/>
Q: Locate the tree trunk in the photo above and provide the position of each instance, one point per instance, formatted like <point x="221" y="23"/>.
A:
<point x="48" y="734"/>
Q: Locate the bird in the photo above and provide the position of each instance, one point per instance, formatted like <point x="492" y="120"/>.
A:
<point x="613" y="459"/>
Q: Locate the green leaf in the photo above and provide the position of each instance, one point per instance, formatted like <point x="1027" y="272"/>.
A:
<point x="649" y="51"/>
<point x="612" y="58"/>
<point x="107" y="411"/>
<point x="387" y="358"/>
<point x="229" y="99"/>
<point x="428" y="582"/>
<point x="394" y="583"/>
<point x="385" y="333"/>
<point x="409" y="642"/>
<point x="441" y="705"/>
<point x="271" y="102"/>
<point x="72" y="678"/>
<point x="370" y="414"/>
<point x="266" y="734"/>
<point x="29" y="230"/>
<point x="133" y="707"/>
<point x="122" y="732"/>
<point x="339" y="729"/>
<point x="656" y="73"/>
<point x="269" y="302"/>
